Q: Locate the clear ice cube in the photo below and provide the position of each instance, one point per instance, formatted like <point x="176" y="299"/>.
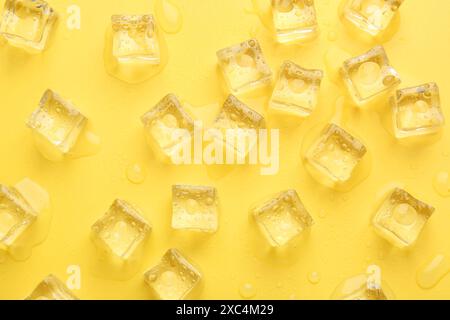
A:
<point x="122" y="231"/>
<point x="335" y="155"/>
<point x="296" y="91"/>
<point x="294" y="20"/>
<point x="195" y="208"/>
<point x="161" y="124"/>
<point x="27" y="23"/>
<point x="244" y="67"/>
<point x="135" y="39"/>
<point x="369" y="75"/>
<point x="16" y="215"/>
<point x="56" y="125"/>
<point x="174" y="277"/>
<point x="51" y="288"/>
<point x="417" y="111"/>
<point x="236" y="122"/>
<point x="282" y="217"/>
<point x="371" y="16"/>
<point x="401" y="218"/>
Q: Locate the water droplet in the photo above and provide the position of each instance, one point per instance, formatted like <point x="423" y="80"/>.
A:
<point x="135" y="173"/>
<point x="247" y="291"/>
<point x="432" y="272"/>
<point x="168" y="14"/>
<point x="314" y="277"/>
<point x="441" y="184"/>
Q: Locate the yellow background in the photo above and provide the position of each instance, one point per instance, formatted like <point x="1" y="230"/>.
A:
<point x="340" y="245"/>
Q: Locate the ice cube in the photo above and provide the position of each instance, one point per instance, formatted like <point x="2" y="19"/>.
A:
<point x="134" y="39"/>
<point x="51" y="288"/>
<point x="335" y="155"/>
<point x="195" y="208"/>
<point x="173" y="278"/>
<point x="236" y="122"/>
<point x="16" y="215"/>
<point x="371" y="16"/>
<point x="417" y="111"/>
<point x="162" y="122"/>
<point x="56" y="126"/>
<point x="27" y="23"/>
<point x="244" y="67"/>
<point x="294" y="20"/>
<point x="401" y="218"/>
<point x="122" y="231"/>
<point x="296" y="91"/>
<point x="369" y="75"/>
<point x="282" y="217"/>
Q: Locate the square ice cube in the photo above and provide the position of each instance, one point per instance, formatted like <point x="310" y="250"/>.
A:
<point x="401" y="218"/>
<point x="369" y="75"/>
<point x="195" y="208"/>
<point x="417" y="111"/>
<point x="56" y="124"/>
<point x="121" y="231"/>
<point x="162" y="122"/>
<point x="174" y="277"/>
<point x="135" y="39"/>
<point x="16" y="215"/>
<point x="237" y="124"/>
<point x="282" y="217"/>
<point x="336" y="154"/>
<point x="51" y="288"/>
<point x="296" y="91"/>
<point x="294" y="20"/>
<point x="27" y="23"/>
<point x="244" y="67"/>
<point x="371" y="16"/>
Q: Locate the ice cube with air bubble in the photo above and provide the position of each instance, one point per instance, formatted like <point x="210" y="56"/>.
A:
<point x="56" y="126"/>
<point x="296" y="91"/>
<point x="369" y="76"/>
<point x="401" y="218"/>
<point x="334" y="156"/>
<point x="417" y="111"/>
<point x="27" y="24"/>
<point x="174" y="277"/>
<point x="195" y="208"/>
<point x="282" y="217"/>
<point x="244" y="67"/>
<point x="16" y="215"/>
<point x="135" y="39"/>
<point x="165" y="124"/>
<point x="372" y="17"/>
<point x="121" y="232"/>
<point x="51" y="288"/>
<point x="294" y="20"/>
